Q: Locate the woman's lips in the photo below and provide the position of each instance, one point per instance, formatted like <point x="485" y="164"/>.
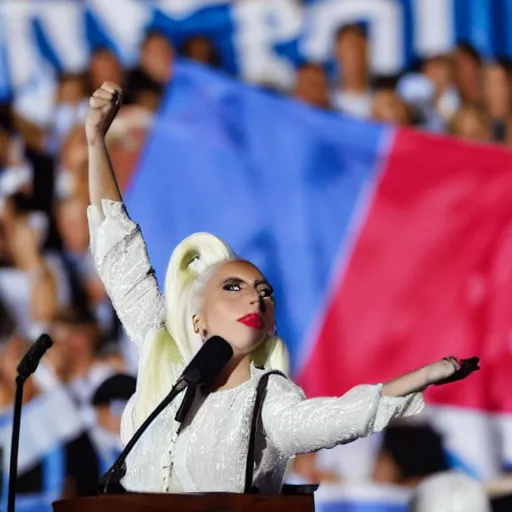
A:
<point x="252" y="320"/>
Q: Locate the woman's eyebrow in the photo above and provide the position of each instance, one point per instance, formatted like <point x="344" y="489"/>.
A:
<point x="259" y="282"/>
<point x="232" y="280"/>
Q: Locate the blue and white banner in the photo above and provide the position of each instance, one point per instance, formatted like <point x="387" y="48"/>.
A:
<point x="259" y="40"/>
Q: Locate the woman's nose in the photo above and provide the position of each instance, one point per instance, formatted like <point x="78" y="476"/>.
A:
<point x="258" y="299"/>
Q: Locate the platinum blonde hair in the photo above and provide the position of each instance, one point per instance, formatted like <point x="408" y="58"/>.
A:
<point x="191" y="266"/>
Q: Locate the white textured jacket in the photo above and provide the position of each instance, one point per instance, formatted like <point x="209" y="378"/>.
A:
<point x="210" y="452"/>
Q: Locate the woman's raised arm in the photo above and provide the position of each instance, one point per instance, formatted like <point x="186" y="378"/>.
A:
<point x="103" y="107"/>
<point x="119" y="250"/>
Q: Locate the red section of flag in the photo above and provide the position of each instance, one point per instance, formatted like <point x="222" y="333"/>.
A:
<point x="430" y="276"/>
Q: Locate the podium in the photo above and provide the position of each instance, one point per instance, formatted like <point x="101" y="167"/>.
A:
<point x="207" y="502"/>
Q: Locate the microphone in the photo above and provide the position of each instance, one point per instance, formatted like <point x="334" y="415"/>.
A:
<point x="208" y="363"/>
<point x="30" y="361"/>
<point x="202" y="371"/>
<point x="204" y="368"/>
<point x="25" y="369"/>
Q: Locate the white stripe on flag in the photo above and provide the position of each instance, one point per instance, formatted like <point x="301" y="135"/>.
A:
<point x="470" y="437"/>
<point x="503" y="424"/>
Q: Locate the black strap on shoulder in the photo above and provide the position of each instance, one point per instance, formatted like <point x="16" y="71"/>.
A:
<point x="260" y="395"/>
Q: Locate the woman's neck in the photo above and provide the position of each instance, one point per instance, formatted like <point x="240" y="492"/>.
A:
<point x="236" y="372"/>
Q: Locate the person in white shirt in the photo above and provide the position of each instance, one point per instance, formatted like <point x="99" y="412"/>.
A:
<point x="353" y="96"/>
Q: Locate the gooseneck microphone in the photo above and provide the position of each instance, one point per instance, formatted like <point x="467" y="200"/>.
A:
<point x="203" y="370"/>
<point x="27" y="366"/>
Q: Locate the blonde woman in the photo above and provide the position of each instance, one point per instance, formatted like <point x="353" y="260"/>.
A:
<point x="209" y="291"/>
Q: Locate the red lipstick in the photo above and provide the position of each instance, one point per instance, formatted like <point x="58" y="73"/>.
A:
<point x="253" y="320"/>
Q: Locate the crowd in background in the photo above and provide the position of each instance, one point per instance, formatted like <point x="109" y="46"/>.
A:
<point x="48" y="282"/>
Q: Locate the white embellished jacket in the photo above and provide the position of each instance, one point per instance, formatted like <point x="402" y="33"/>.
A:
<point x="210" y="452"/>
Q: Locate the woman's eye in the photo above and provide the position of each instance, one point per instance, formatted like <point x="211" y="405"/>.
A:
<point x="232" y="287"/>
<point x="266" y="292"/>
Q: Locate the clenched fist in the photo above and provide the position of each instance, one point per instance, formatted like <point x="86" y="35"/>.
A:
<point x="103" y="107"/>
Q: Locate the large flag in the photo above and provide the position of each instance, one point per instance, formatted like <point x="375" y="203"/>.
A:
<point x="388" y="249"/>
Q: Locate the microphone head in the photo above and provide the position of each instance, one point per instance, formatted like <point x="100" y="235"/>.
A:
<point x="45" y="341"/>
<point x="208" y="363"/>
<point x="30" y="360"/>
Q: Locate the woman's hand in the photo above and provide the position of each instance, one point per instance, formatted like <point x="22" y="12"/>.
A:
<point x="451" y="369"/>
<point x="103" y="107"/>
<point x="447" y="370"/>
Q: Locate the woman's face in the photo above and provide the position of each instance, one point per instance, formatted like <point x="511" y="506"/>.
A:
<point x="238" y="306"/>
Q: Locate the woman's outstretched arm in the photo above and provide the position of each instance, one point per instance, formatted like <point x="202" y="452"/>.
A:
<point x="294" y="424"/>
<point x="119" y="250"/>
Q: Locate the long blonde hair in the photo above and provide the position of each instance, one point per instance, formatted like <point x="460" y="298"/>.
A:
<point x="167" y="350"/>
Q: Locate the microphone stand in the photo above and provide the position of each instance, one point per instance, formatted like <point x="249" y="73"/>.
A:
<point x="201" y="372"/>
<point x="110" y="482"/>
<point x="15" y="441"/>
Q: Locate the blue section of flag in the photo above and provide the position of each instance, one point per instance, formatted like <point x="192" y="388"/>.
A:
<point x="455" y="461"/>
<point x="54" y="470"/>
<point x="354" y="506"/>
<point x="277" y="180"/>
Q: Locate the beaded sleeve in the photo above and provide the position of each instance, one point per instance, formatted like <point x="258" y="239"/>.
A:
<point x="296" y="425"/>
<point x="122" y="262"/>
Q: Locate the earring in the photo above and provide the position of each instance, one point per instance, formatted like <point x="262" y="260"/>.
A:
<point x="204" y="333"/>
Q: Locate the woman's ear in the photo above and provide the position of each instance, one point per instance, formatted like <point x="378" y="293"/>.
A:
<point x="196" y="321"/>
<point x="198" y="329"/>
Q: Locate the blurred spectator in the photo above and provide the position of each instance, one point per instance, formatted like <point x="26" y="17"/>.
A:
<point x="498" y="96"/>
<point x="306" y="469"/>
<point x="472" y="123"/>
<point x="72" y="100"/>
<point x="353" y="96"/>
<point x="201" y="49"/>
<point x="408" y="454"/>
<point x="440" y="71"/>
<point x="26" y="281"/>
<point x="126" y="138"/>
<point x="86" y="292"/>
<point x="104" y="66"/>
<point x="312" y="85"/>
<point x="72" y="89"/>
<point x="56" y="453"/>
<point x="468" y="73"/>
<point x="4" y="136"/>
<point x="142" y="90"/>
<point x="450" y="492"/>
<point x="75" y="356"/>
<point x="11" y="351"/>
<point x="109" y="401"/>
<point x="352" y="462"/>
<point x="156" y="57"/>
<point x="72" y="164"/>
<point x="387" y="106"/>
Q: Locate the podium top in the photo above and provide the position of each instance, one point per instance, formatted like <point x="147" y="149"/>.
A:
<point x="205" y="502"/>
